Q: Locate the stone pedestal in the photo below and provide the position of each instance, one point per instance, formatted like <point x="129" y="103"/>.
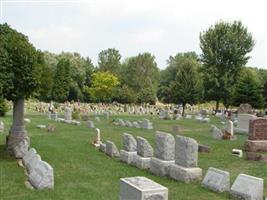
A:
<point x="127" y="156"/>
<point x="256" y="145"/>
<point x="184" y="174"/>
<point x="17" y="132"/>
<point x="141" y="188"/>
<point x="160" y="167"/>
<point x="141" y="162"/>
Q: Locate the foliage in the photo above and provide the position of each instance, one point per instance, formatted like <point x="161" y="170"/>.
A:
<point x="103" y="86"/>
<point x="186" y="88"/>
<point x="62" y="79"/>
<point x="109" y="60"/>
<point x="141" y="74"/>
<point x="3" y="105"/>
<point x="224" y="51"/>
<point x="125" y="95"/>
<point x="168" y="75"/>
<point x="20" y="71"/>
<point x="46" y="79"/>
<point x="248" y="89"/>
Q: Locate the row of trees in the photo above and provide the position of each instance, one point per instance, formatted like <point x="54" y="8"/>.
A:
<point x="218" y="74"/>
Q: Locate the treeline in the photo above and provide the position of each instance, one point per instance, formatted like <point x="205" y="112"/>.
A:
<point x="218" y="73"/>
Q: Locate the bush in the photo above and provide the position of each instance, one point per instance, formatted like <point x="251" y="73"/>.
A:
<point x="76" y="115"/>
<point x="3" y="107"/>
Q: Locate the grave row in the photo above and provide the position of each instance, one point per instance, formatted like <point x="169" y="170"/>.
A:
<point x="40" y="173"/>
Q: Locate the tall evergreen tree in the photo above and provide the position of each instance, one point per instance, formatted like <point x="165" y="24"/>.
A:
<point x="248" y="89"/>
<point x="62" y="80"/>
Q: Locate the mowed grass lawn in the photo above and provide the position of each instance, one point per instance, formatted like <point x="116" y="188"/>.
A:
<point x="82" y="172"/>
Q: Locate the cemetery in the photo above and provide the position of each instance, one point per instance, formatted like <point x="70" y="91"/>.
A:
<point x="178" y="113"/>
<point x="167" y="157"/>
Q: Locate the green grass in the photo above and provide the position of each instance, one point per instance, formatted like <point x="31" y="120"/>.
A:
<point x="82" y="172"/>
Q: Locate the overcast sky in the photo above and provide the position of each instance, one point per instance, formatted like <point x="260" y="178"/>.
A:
<point x="163" y="28"/>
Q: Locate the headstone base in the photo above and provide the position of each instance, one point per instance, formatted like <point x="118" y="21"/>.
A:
<point x="256" y="145"/>
<point x="186" y="175"/>
<point x="160" y="167"/>
<point x="127" y="156"/>
<point x="141" y="162"/>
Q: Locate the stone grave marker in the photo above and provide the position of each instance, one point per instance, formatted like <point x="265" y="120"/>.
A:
<point x="217" y="180"/>
<point x="141" y="188"/>
<point x="247" y="187"/>
<point x="164" y="154"/>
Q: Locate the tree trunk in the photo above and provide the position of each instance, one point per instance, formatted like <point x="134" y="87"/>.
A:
<point x="17" y="132"/>
<point x="183" y="110"/>
<point x="217" y="106"/>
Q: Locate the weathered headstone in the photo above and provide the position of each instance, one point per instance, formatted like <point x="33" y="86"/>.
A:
<point x="2" y="127"/>
<point x="97" y="119"/>
<point x="90" y="124"/>
<point x="111" y="149"/>
<point x="244" y="108"/>
<point x="33" y="163"/>
<point x="229" y="128"/>
<point x="102" y="147"/>
<point x="144" y="153"/>
<point x="164" y="154"/>
<point x="21" y="149"/>
<point x="97" y="140"/>
<point x="247" y="187"/>
<point x="129" y="148"/>
<point x="186" y="156"/>
<point x="216" y="133"/>
<point x="128" y="123"/>
<point x="217" y="180"/>
<point x="136" y="125"/>
<point x="68" y="113"/>
<point x="243" y="123"/>
<point x="28" y="156"/>
<point x="42" y="176"/>
<point x="146" y="124"/>
<point x="141" y="188"/>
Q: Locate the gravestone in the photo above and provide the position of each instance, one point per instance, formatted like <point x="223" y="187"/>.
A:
<point x="121" y="122"/>
<point x="217" y="180"/>
<point x="186" y="156"/>
<point x="141" y="188"/>
<point x="146" y="124"/>
<point x="102" y="147"/>
<point x="144" y="153"/>
<point x="136" y="125"/>
<point x="28" y="156"/>
<point x="68" y="114"/>
<point x="42" y="177"/>
<point x="243" y="123"/>
<point x="257" y="138"/>
<point x="244" y="108"/>
<point x="144" y="149"/>
<point x="90" y="124"/>
<point x="97" y="119"/>
<point x="216" y="133"/>
<point x="97" y="140"/>
<point x="247" y="187"/>
<point x="229" y="128"/>
<point x="128" y="123"/>
<point x="33" y="163"/>
<point x="164" y="154"/>
<point x="21" y="149"/>
<point x="129" y="148"/>
<point x="111" y="149"/>
<point x="2" y="127"/>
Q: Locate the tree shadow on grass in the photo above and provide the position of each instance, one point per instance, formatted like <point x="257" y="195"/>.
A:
<point x="4" y="155"/>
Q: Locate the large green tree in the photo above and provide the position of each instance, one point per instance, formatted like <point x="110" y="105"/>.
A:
<point x="141" y="74"/>
<point x="103" y="87"/>
<point x="109" y="60"/>
<point x="168" y="75"/>
<point x="19" y="77"/>
<point x="248" y="89"/>
<point x="187" y="84"/>
<point x="62" y="81"/>
<point x="225" y="47"/>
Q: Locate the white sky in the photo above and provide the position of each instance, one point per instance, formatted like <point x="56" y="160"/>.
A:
<point x="163" y="28"/>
